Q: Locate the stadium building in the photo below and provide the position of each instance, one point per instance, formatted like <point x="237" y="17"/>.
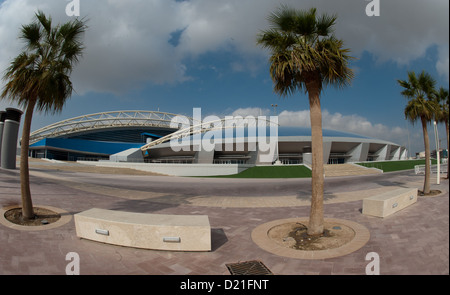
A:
<point x="293" y="147"/>
<point x="98" y="136"/>
<point x="146" y="136"/>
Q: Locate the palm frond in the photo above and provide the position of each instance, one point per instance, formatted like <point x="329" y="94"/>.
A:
<point x="303" y="48"/>
<point x="42" y="71"/>
<point x="421" y="94"/>
<point x="442" y="99"/>
<point x="276" y="41"/>
<point x="325" y="25"/>
<point x="44" y="21"/>
<point x="283" y="18"/>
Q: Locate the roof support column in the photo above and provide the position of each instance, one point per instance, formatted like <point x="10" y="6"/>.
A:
<point x="359" y="153"/>
<point x="204" y="157"/>
<point x="383" y="153"/>
<point x="396" y="154"/>
<point x="326" y="151"/>
<point x="404" y="154"/>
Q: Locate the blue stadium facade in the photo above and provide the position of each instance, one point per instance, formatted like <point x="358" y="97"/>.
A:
<point x="97" y="136"/>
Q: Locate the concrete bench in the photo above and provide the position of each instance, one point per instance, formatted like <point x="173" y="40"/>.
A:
<point x="147" y="231"/>
<point x="385" y="204"/>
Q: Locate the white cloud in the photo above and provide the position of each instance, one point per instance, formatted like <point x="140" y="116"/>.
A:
<point x="294" y="118"/>
<point x="442" y="64"/>
<point x="348" y="123"/>
<point x="335" y="121"/>
<point x="410" y="136"/>
<point x="255" y="112"/>
<point x="127" y="43"/>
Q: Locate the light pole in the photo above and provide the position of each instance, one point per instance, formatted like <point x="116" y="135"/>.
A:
<point x="436" y="135"/>
<point x="409" y="143"/>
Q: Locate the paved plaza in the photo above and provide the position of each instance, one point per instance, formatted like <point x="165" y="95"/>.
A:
<point x="414" y="240"/>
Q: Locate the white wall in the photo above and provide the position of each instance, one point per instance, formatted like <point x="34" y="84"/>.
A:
<point x="177" y="169"/>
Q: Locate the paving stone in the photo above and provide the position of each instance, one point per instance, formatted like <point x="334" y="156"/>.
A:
<point x="411" y="241"/>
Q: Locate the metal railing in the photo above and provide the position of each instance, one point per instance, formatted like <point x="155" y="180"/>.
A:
<point x="420" y="169"/>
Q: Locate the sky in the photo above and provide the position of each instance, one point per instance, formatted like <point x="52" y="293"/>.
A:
<point x="176" y="55"/>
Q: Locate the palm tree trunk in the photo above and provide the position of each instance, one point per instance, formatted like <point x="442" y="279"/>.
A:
<point x="27" y="203"/>
<point x="426" y="185"/>
<point x="316" y="218"/>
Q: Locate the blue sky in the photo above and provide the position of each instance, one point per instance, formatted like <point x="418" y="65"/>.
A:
<point x="178" y="55"/>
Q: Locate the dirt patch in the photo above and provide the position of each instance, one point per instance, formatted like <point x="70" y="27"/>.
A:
<point x="294" y="235"/>
<point x="274" y="237"/>
<point x="433" y="192"/>
<point x="42" y="217"/>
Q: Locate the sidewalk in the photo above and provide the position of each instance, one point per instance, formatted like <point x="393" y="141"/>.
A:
<point x="412" y="241"/>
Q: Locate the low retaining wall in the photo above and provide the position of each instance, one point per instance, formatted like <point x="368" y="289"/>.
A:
<point x="177" y="169"/>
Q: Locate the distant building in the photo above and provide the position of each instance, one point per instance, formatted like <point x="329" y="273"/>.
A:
<point x="443" y="153"/>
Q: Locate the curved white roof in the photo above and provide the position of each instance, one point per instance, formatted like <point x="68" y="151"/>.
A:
<point x="105" y="120"/>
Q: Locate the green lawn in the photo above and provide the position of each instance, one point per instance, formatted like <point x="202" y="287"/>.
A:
<point x="273" y="172"/>
<point x="300" y="171"/>
<point x="391" y="166"/>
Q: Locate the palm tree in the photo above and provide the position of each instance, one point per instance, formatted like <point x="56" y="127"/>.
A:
<point x="306" y="56"/>
<point x="39" y="78"/>
<point x="443" y="101"/>
<point x="421" y="106"/>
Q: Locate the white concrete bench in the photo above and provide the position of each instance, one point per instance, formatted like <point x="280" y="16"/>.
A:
<point x="142" y="230"/>
<point x="385" y="204"/>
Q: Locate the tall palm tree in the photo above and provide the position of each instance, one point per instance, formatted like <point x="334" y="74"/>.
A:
<point x="443" y="101"/>
<point x="306" y="56"/>
<point x="39" y="77"/>
<point x="421" y="106"/>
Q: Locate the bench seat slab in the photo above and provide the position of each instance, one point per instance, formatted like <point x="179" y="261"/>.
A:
<point x="388" y="203"/>
<point x="147" y="231"/>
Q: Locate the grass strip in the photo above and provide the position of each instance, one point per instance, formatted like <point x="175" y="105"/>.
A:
<point x="294" y="171"/>
<point x="390" y="166"/>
